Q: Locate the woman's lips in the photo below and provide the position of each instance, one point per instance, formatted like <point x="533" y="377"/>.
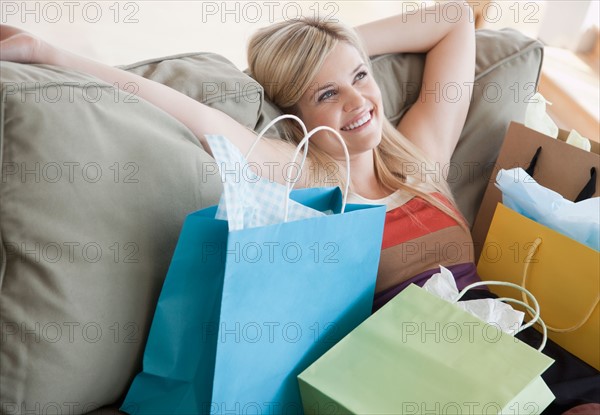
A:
<point x="361" y="127"/>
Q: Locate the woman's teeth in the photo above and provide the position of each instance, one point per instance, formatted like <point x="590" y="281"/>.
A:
<point x="358" y="123"/>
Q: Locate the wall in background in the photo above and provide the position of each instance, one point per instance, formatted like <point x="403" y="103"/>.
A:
<point x="120" y="32"/>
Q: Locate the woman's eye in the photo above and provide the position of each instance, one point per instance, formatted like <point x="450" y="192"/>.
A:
<point x="361" y="75"/>
<point x="327" y="94"/>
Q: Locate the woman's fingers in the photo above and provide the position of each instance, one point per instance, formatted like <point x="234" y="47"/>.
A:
<point x="7" y="31"/>
<point x="17" y="45"/>
<point x="21" y="47"/>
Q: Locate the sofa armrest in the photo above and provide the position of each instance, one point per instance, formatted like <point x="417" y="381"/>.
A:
<point x="507" y="75"/>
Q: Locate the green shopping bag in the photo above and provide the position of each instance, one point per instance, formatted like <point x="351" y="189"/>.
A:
<point x="421" y="354"/>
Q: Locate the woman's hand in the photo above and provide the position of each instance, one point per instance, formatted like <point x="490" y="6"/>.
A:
<point x="17" y="45"/>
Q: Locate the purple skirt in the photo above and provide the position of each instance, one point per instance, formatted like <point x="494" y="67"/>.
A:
<point x="464" y="274"/>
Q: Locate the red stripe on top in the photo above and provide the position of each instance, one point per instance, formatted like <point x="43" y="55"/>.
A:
<point x="412" y="220"/>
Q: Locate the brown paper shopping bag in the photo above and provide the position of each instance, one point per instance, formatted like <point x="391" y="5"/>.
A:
<point x="559" y="166"/>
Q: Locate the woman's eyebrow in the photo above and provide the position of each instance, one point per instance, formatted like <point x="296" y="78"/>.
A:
<point x="330" y="84"/>
<point x="357" y="68"/>
<point x="327" y="85"/>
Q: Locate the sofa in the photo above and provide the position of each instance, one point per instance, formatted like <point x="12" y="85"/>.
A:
<point x="95" y="185"/>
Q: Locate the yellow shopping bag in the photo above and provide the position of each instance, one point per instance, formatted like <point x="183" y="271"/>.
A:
<point x="563" y="274"/>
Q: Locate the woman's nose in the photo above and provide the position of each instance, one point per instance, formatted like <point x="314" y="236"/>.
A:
<point x="354" y="100"/>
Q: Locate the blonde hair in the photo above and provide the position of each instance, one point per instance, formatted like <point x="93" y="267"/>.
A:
<point x="286" y="56"/>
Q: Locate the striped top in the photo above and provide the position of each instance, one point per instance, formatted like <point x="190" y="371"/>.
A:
<point x="417" y="239"/>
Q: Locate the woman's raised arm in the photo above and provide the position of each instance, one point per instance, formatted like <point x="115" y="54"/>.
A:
<point x="19" y="46"/>
<point x="445" y="32"/>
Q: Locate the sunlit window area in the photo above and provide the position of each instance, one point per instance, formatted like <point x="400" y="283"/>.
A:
<point x="129" y="31"/>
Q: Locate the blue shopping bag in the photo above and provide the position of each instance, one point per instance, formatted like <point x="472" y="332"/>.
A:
<point x="242" y="313"/>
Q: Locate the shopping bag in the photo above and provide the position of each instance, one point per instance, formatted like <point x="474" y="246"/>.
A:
<point x="421" y="354"/>
<point x="559" y="166"/>
<point x="561" y="272"/>
<point x="243" y="312"/>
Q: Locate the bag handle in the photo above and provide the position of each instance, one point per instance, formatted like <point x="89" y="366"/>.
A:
<point x="588" y="190"/>
<point x="531" y="311"/>
<point x="272" y="123"/>
<point x="535" y="310"/>
<point x="532" y="251"/>
<point x="523" y="290"/>
<point x="533" y="163"/>
<point x="304" y="143"/>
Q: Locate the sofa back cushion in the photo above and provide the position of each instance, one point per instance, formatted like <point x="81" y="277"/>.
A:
<point x="208" y="78"/>
<point x="94" y="187"/>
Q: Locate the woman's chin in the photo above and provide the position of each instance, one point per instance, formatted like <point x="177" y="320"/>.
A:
<point x="367" y="140"/>
<point x="366" y="144"/>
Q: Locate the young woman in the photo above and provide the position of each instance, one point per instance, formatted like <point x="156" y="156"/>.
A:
<point x="320" y="71"/>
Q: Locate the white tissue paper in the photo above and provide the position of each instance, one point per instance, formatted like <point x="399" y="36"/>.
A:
<point x="579" y="221"/>
<point x="249" y="200"/>
<point x="537" y="118"/>
<point x="490" y="310"/>
<point x="577" y="140"/>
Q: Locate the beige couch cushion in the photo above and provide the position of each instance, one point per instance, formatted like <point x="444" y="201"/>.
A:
<point x="208" y="78"/>
<point x="94" y="188"/>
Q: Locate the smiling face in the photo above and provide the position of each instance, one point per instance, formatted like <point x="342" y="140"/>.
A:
<point x="343" y="96"/>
